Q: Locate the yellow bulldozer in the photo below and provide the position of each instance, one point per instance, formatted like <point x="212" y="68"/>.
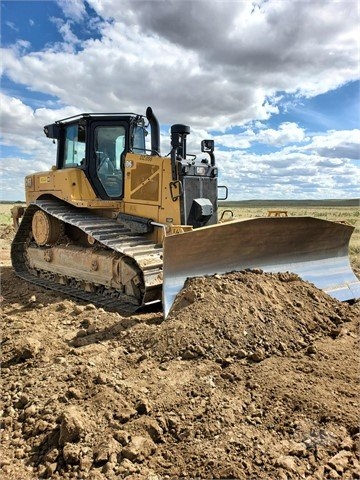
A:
<point x="117" y="224"/>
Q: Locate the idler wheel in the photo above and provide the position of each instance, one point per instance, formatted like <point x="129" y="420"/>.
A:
<point x="45" y="228"/>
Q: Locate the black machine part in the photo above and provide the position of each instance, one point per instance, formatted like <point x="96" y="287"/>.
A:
<point x="155" y="131"/>
<point x="135" y="224"/>
<point x="198" y="178"/>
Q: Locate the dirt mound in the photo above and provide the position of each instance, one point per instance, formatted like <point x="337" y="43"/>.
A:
<point x="253" y="376"/>
<point x="250" y="315"/>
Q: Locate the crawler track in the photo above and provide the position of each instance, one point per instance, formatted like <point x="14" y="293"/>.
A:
<point x="110" y="235"/>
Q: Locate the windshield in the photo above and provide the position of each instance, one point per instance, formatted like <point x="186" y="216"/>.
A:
<point x="109" y="149"/>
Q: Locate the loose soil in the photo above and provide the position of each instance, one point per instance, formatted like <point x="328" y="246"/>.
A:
<point x="252" y="376"/>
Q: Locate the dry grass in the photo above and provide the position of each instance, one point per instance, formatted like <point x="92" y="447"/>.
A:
<point x="5" y="215"/>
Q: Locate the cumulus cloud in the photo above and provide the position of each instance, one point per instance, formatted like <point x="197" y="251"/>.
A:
<point x="221" y="67"/>
<point x="337" y="144"/>
<point x="273" y="43"/>
<point x="21" y="126"/>
<point x="229" y="62"/>
<point x="287" y="133"/>
<point x="279" y="175"/>
<point x="73" y="9"/>
<point x="13" y="172"/>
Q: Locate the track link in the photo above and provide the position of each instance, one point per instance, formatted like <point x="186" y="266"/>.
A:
<point x="110" y="234"/>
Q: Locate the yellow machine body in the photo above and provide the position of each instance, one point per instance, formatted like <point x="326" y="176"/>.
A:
<point x="147" y="193"/>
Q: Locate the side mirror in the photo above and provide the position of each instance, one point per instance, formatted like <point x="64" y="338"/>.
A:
<point x="52" y="131"/>
<point x="207" y="146"/>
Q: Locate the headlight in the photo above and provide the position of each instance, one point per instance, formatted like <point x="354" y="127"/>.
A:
<point x="201" y="170"/>
<point x="28" y="182"/>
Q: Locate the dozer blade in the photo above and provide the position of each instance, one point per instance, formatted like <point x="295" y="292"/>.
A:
<point x="316" y="250"/>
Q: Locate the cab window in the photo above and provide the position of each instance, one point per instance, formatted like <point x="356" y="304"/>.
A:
<point x="74" y="146"/>
<point x="139" y="140"/>
<point x="109" y="149"/>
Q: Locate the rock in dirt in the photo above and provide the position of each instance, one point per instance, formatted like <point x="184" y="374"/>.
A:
<point x="340" y="461"/>
<point x="72" y="453"/>
<point x="28" y="348"/>
<point x="72" y="426"/>
<point x="286" y="462"/>
<point x="138" y="449"/>
<point x="78" y="309"/>
<point x="103" y="451"/>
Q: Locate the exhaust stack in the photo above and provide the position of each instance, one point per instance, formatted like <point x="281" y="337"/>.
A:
<point x="155" y="131"/>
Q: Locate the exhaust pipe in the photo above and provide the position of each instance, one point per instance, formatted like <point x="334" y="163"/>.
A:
<point x="178" y="138"/>
<point x="155" y="131"/>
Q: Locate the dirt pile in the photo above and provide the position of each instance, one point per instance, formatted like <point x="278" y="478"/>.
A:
<point x="253" y="376"/>
<point x="249" y="315"/>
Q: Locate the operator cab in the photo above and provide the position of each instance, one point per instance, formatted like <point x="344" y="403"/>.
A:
<point x="97" y="144"/>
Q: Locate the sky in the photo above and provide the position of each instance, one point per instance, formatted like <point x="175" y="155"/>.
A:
<point x="275" y="83"/>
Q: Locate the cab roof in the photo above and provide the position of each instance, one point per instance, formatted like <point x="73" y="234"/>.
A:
<point x="96" y="115"/>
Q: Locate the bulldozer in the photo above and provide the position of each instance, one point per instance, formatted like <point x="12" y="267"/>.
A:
<point x="117" y="224"/>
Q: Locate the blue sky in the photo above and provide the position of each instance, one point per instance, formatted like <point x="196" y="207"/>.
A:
<point x="276" y="84"/>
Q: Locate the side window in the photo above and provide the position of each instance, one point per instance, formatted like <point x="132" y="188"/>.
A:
<point x="139" y="140"/>
<point x="109" y="148"/>
<point x="74" y="148"/>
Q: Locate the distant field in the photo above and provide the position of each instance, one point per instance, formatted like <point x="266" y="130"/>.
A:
<point x="5" y="216"/>
<point x="350" y="202"/>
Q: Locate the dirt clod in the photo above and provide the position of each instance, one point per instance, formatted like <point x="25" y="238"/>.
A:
<point x="71" y="426"/>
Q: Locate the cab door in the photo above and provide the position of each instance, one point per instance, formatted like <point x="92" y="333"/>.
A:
<point x="109" y="146"/>
<point x="106" y="169"/>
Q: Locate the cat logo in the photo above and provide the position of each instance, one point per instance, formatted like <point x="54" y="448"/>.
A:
<point x="44" y="180"/>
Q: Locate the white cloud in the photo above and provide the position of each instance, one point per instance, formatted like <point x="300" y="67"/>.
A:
<point x="212" y="67"/>
<point x="16" y="165"/>
<point x="216" y="66"/>
<point x="73" y="9"/>
<point x="302" y="178"/>
<point x="22" y="127"/>
<point x="277" y="44"/>
<point x="298" y="172"/>
<point x="287" y="133"/>
<point x="13" y="172"/>
<point x="12" y="26"/>
<point x="337" y="143"/>
<point x="65" y="31"/>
